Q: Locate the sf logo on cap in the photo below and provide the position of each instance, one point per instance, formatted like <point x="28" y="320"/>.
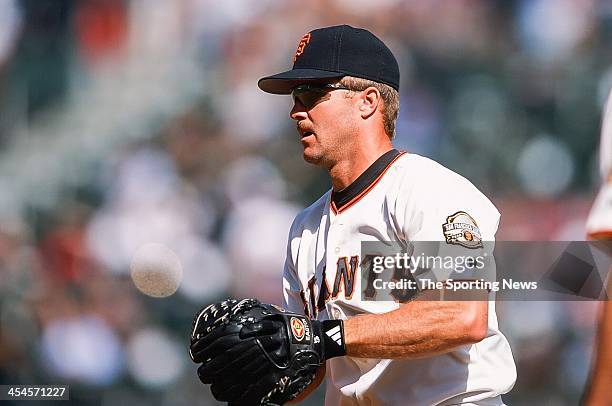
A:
<point x="300" y="48"/>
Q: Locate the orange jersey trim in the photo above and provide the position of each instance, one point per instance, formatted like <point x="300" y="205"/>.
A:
<point x="601" y="235"/>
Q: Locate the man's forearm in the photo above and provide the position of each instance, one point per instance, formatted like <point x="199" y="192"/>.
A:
<point x="417" y="329"/>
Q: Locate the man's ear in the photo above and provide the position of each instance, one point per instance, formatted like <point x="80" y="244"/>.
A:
<point x="369" y="101"/>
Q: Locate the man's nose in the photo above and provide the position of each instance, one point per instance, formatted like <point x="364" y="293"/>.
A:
<point x="298" y="112"/>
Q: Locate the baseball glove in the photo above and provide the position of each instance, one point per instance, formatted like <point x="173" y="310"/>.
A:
<point x="260" y="354"/>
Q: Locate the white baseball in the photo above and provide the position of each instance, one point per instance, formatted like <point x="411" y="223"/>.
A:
<point x="156" y="270"/>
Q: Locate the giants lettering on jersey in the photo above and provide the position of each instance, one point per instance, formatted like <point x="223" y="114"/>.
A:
<point x="344" y="281"/>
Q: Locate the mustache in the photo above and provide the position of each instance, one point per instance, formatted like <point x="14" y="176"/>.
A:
<point x="301" y="126"/>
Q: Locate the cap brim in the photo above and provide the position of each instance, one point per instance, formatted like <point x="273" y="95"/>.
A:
<point x="284" y="82"/>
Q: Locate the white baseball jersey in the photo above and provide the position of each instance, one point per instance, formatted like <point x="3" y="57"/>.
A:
<point x="599" y="223"/>
<point x="401" y="197"/>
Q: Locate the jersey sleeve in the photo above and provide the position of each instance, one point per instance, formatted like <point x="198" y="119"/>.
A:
<point x="443" y="206"/>
<point x="448" y="220"/>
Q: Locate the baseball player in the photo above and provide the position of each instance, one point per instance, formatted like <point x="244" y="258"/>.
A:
<point x="599" y="227"/>
<point x="345" y="84"/>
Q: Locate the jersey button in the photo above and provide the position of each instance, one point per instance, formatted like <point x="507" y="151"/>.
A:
<point x="337" y="250"/>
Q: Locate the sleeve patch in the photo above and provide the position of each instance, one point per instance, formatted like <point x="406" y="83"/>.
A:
<point x="461" y="229"/>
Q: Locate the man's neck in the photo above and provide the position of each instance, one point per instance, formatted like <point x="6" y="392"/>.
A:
<point x="344" y="172"/>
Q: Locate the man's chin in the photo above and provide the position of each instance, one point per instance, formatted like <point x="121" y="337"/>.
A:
<point x="312" y="158"/>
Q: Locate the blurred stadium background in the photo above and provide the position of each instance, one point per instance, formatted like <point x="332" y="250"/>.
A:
<point x="128" y="121"/>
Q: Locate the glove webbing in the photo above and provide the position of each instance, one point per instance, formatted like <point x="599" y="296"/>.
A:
<point x="280" y="387"/>
<point x="232" y="311"/>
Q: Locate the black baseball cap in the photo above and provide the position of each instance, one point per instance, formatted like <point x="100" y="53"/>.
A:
<point x="334" y="52"/>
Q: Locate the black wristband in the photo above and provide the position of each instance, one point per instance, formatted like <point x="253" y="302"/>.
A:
<point x="332" y="333"/>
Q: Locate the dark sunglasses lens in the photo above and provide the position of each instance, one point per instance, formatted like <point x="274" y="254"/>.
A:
<point x="308" y="97"/>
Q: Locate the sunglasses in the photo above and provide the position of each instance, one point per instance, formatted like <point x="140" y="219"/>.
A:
<point x="310" y="94"/>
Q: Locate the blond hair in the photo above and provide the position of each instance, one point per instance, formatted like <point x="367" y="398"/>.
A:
<point x="390" y="96"/>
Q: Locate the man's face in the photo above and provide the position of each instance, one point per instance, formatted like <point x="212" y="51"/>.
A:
<point x="325" y="119"/>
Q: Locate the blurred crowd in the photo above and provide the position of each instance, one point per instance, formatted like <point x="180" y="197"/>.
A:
<point x="124" y="122"/>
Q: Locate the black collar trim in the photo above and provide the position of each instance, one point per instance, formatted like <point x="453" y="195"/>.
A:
<point x="343" y="199"/>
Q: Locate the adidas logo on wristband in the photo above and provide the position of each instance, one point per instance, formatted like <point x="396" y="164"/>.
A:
<point x="333" y="337"/>
<point x="335" y="334"/>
